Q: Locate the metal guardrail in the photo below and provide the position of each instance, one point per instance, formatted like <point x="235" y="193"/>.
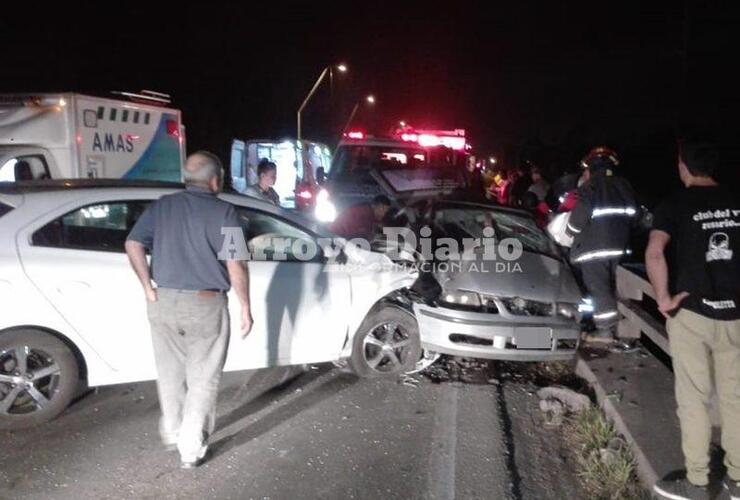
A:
<point x="632" y="286"/>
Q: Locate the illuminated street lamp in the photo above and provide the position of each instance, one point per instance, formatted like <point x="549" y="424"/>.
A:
<point x="342" y="68"/>
<point x="492" y="160"/>
<point x="370" y="99"/>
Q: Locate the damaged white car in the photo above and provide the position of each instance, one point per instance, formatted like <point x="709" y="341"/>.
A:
<point x="73" y="310"/>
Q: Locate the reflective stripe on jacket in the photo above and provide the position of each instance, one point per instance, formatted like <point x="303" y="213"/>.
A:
<point x="602" y="218"/>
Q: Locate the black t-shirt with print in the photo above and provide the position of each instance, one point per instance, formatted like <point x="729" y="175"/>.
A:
<point x="704" y="250"/>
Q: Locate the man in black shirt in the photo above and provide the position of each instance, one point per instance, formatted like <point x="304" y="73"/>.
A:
<point x="698" y="290"/>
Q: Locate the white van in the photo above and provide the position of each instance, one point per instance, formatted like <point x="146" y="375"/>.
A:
<point x="297" y="165"/>
<point x="53" y="136"/>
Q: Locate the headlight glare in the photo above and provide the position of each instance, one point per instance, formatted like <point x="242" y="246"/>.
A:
<point x="460" y="298"/>
<point x="567" y="310"/>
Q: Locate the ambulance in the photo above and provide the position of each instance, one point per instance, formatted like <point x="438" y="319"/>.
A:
<point x="67" y="135"/>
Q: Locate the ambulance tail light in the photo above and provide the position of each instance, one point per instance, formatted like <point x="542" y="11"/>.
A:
<point x="173" y="129"/>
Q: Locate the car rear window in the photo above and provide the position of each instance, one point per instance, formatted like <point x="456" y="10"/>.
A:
<point x="4" y="209"/>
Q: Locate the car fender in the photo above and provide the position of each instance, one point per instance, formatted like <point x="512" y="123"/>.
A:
<point x="373" y="278"/>
<point x="16" y="296"/>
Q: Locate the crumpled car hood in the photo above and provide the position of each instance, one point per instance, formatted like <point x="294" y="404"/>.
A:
<point x="532" y="276"/>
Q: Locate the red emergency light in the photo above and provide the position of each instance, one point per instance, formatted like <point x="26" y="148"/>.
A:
<point x="431" y="138"/>
<point x="356" y="134"/>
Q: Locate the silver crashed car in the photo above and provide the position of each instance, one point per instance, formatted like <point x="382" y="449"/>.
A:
<point x="520" y="307"/>
<point x="525" y="309"/>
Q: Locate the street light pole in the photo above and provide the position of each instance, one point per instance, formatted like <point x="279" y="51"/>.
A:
<point x="370" y="100"/>
<point x="326" y="70"/>
<point x="351" y="116"/>
<point x="305" y="101"/>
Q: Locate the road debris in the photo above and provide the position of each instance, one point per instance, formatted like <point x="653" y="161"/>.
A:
<point x="569" y="398"/>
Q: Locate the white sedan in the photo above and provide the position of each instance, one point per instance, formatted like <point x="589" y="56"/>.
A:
<point x="73" y="311"/>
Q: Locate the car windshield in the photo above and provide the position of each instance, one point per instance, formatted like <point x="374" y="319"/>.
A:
<point x="468" y="222"/>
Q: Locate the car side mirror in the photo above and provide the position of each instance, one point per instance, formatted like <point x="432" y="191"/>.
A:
<point x="320" y="175"/>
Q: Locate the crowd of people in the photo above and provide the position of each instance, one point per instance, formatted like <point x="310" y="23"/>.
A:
<point x="591" y="214"/>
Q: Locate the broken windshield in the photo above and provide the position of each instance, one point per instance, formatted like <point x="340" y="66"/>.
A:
<point x="460" y="222"/>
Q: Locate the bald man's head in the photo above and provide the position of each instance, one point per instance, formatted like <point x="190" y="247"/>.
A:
<point x="204" y="169"/>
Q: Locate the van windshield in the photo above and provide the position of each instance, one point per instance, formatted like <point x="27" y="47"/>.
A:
<point x="354" y="163"/>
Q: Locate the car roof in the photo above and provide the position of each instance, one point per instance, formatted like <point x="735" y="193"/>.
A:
<point x="13" y="192"/>
<point x="39" y="186"/>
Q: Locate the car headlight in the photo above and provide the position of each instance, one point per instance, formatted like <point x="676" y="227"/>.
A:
<point x="567" y="310"/>
<point x="325" y="210"/>
<point x="519" y="306"/>
<point x="460" y="299"/>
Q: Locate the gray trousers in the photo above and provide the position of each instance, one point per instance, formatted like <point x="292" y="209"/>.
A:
<point x="190" y="335"/>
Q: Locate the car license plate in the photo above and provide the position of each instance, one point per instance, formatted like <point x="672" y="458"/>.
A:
<point x="533" y="337"/>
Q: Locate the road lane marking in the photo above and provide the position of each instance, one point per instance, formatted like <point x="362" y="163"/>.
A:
<point x="441" y="475"/>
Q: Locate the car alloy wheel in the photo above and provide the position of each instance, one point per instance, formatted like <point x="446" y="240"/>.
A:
<point x="386" y="347"/>
<point x="386" y="344"/>
<point x="39" y="376"/>
<point x="29" y="379"/>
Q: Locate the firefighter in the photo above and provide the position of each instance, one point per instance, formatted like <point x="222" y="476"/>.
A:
<point x="600" y="225"/>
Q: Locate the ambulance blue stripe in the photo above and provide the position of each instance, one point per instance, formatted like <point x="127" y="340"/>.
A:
<point x="161" y="159"/>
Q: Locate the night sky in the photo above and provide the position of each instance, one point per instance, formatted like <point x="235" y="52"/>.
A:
<point x="544" y="79"/>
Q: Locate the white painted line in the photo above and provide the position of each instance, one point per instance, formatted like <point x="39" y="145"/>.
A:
<point x="441" y="475"/>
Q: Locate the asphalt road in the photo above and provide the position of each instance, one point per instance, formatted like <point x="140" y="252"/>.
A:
<point x="324" y="434"/>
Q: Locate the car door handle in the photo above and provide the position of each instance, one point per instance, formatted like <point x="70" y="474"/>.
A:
<point x="72" y="287"/>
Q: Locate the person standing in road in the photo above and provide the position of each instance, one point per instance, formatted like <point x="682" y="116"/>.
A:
<point x="520" y="182"/>
<point x="539" y="185"/>
<point x="363" y="220"/>
<point x="188" y="310"/>
<point x="698" y="291"/>
<point x="600" y="225"/>
<point x="266" y="175"/>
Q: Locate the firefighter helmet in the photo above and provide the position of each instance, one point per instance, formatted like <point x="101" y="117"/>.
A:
<point x="600" y="156"/>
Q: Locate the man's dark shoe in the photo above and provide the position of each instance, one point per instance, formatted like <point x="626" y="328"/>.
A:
<point x="680" y="489"/>
<point x="734" y="488"/>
